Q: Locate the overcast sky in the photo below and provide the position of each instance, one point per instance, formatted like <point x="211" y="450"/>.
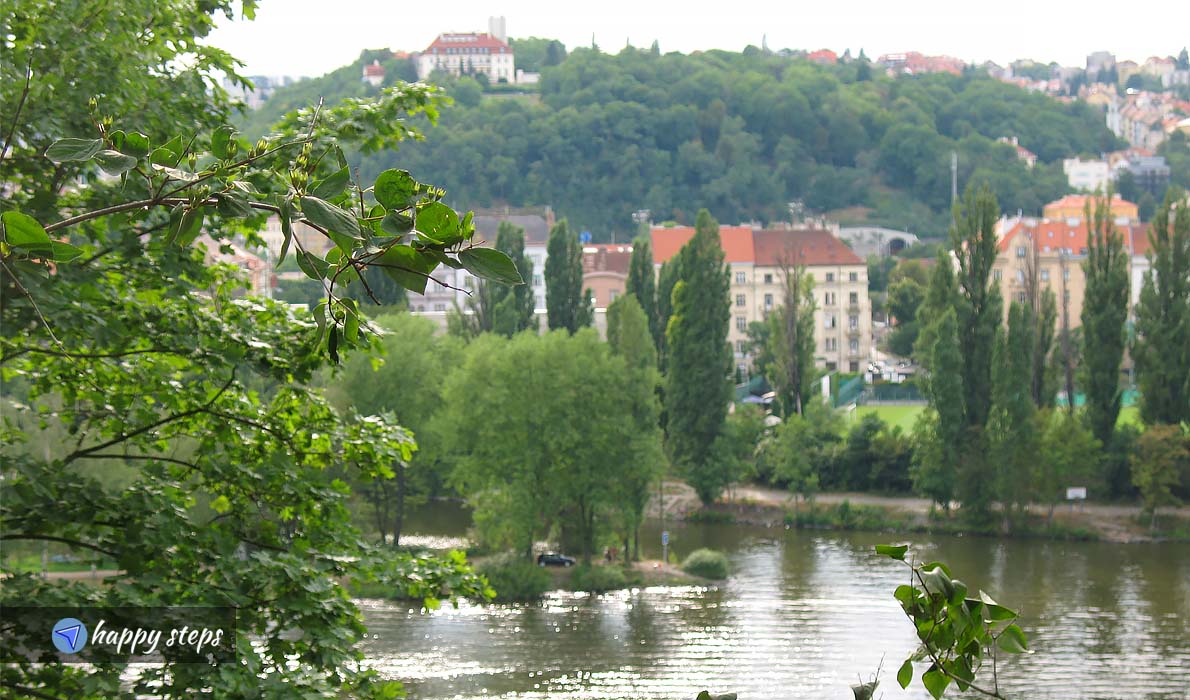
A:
<point x="311" y="37"/>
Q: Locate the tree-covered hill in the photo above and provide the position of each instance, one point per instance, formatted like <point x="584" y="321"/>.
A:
<point x="742" y="134"/>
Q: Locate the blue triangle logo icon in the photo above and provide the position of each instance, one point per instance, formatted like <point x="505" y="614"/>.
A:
<point x="70" y="634"/>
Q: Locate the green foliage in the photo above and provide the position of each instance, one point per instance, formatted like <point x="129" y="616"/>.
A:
<point x="958" y="634"/>
<point x="1105" y="308"/>
<point x="801" y="448"/>
<point x="699" y="359"/>
<point x="1012" y="428"/>
<point x="707" y="563"/>
<point x="597" y="579"/>
<point x="743" y="134"/>
<point x="1162" y="455"/>
<point x="791" y="339"/>
<point x="1065" y="457"/>
<point x="236" y="488"/>
<point x="515" y="580"/>
<point x="904" y="297"/>
<point x="534" y="54"/>
<point x="642" y="284"/>
<point x="1162" y="346"/>
<point x="546" y="435"/>
<point x="566" y="306"/>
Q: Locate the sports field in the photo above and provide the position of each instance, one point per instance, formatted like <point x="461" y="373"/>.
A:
<point x="906" y="416"/>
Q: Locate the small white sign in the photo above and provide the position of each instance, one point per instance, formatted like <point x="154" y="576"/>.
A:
<point x="1076" y="493"/>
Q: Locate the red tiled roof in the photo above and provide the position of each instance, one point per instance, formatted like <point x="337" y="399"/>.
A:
<point x="607" y="257"/>
<point x="1080" y="201"/>
<point x="374" y="68"/>
<point x="736" y="242"/>
<point x="471" y="41"/>
<point x="805" y="247"/>
<point x="1055" y="235"/>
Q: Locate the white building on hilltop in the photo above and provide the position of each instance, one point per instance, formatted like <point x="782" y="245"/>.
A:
<point x="471" y="54"/>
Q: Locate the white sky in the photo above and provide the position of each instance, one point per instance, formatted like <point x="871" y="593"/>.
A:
<point x="311" y="37"/>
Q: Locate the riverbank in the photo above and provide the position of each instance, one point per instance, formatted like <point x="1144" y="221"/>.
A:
<point x="769" y="507"/>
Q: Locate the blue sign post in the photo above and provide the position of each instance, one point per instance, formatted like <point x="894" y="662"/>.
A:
<point x="665" y="546"/>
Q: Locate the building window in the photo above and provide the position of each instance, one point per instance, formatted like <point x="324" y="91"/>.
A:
<point x="1045" y="275"/>
<point x="768" y="279"/>
<point x="853" y="367"/>
<point x="740" y="300"/>
<point x="828" y="320"/>
<point x="1020" y="275"/>
<point x="740" y="346"/>
<point x="854" y="345"/>
<point x="853" y="277"/>
<point x="853" y="321"/>
<point x="1021" y="297"/>
<point x="768" y="301"/>
<point x="830" y="366"/>
<point x="830" y="345"/>
<point x="1020" y="251"/>
<point x="996" y="275"/>
<point x="740" y="278"/>
<point x="741" y="324"/>
<point x="829" y="299"/>
<point x="1066" y="275"/>
<point x="537" y="282"/>
<point x="830" y="277"/>
<point x="440" y="307"/>
<point x="854" y="298"/>
<point x="612" y="294"/>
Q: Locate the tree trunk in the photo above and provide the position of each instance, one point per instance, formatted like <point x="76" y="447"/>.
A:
<point x="399" y="520"/>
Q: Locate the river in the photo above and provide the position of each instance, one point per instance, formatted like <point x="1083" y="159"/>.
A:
<point x="803" y="615"/>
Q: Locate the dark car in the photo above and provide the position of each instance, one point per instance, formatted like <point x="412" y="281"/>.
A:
<point x="554" y="559"/>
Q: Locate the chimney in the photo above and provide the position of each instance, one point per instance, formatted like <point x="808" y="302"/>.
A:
<point x="497" y="28"/>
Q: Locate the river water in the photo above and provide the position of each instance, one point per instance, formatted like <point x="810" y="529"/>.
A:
<point x="803" y="615"/>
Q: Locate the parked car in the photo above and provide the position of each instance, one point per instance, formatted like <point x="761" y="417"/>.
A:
<point x="554" y="559"/>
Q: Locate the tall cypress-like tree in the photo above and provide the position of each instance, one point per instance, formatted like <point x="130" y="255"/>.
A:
<point x="513" y="306"/>
<point x="697" y="389"/>
<point x="1043" y="312"/>
<point x="936" y="461"/>
<point x="667" y="279"/>
<point x="1162" y="349"/>
<point x="940" y="297"/>
<point x="564" y="302"/>
<point x="1105" y="309"/>
<point x="791" y="338"/>
<point x="1013" y="434"/>
<point x="643" y="286"/>
<point x="978" y="308"/>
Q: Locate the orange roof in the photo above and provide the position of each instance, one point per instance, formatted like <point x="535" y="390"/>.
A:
<point x="468" y="40"/>
<point x="736" y="242"/>
<point x="1052" y="236"/>
<point x="1080" y="200"/>
<point x="805" y="247"/>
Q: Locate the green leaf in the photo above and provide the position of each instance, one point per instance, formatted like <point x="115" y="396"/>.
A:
<point x="330" y="217"/>
<point x="704" y="695"/>
<point x="314" y="266"/>
<point x="134" y="144"/>
<point x="935" y="681"/>
<point x="114" y="162"/>
<point x="1012" y="640"/>
<point x="332" y="185"/>
<point x="221" y="141"/>
<point x="905" y="675"/>
<point x="233" y="206"/>
<point x="23" y="231"/>
<point x="64" y="252"/>
<point x="402" y="263"/>
<point x="490" y="264"/>
<point x="64" y="150"/>
<point x="893" y="551"/>
<point x="190" y="226"/>
<point x="996" y="613"/>
<point x="221" y="505"/>
<point x="438" y="223"/>
<point x="396" y="224"/>
<point x="395" y="189"/>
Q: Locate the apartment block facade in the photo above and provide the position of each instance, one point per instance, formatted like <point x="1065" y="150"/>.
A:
<point x="758" y="261"/>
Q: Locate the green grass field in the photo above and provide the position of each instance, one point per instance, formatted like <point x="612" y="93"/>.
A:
<point x="906" y="416"/>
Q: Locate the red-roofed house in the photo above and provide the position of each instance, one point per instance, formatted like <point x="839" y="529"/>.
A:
<point x="605" y="271"/>
<point x="758" y="258"/>
<point x="1061" y="247"/>
<point x="824" y="57"/>
<point x="1073" y="206"/>
<point x="468" y="54"/>
<point x="374" y="74"/>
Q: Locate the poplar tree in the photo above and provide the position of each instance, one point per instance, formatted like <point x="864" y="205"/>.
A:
<point x="667" y="278"/>
<point x="1162" y="349"/>
<point x="1105" y="308"/>
<point x="697" y="389"/>
<point x="643" y="286"/>
<point x="1013" y="434"/>
<point x="513" y="306"/>
<point x="791" y="339"/>
<point x="564" y="303"/>
<point x="978" y="307"/>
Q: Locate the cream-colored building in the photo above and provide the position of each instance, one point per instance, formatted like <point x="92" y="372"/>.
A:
<point x="470" y="54"/>
<point x="758" y="260"/>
